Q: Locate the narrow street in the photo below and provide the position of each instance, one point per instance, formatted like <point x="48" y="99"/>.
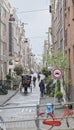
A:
<point x="20" y="111"/>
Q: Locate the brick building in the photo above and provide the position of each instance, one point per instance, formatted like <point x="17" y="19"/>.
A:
<point x="63" y="34"/>
<point x="4" y="37"/>
<point x="69" y="41"/>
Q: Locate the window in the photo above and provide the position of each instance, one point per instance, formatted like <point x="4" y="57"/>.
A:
<point x="10" y="62"/>
<point x="3" y="32"/>
<point x="5" y="68"/>
<point x="68" y="16"/>
<point x="73" y="54"/>
<point x="65" y="4"/>
<point x="4" y="49"/>
<point x="69" y="57"/>
<point x="65" y="37"/>
<point x="3" y="14"/>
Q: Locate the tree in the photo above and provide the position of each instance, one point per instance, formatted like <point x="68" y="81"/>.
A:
<point x="18" y="69"/>
<point x="57" y="59"/>
<point x="45" y="71"/>
<point x="59" y="95"/>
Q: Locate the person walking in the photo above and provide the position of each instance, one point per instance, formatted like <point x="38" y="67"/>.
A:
<point x="38" y="76"/>
<point x="34" y="81"/>
<point x="42" y="87"/>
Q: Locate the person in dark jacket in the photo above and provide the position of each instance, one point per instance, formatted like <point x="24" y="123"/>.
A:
<point x="42" y="87"/>
<point x="34" y="81"/>
<point x="38" y="77"/>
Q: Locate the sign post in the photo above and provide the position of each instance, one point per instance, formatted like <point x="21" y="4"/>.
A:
<point x="56" y="74"/>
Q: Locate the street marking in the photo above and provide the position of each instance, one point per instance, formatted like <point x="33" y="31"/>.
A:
<point x="28" y="110"/>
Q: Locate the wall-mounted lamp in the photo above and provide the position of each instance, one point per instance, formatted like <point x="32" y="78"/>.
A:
<point x="11" y="18"/>
<point x="17" y="59"/>
<point x="50" y="11"/>
<point x="26" y="40"/>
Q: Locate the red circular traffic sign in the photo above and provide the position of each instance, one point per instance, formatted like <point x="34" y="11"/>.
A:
<point x="57" y="73"/>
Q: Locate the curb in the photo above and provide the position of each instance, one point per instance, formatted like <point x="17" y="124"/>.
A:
<point x="10" y="97"/>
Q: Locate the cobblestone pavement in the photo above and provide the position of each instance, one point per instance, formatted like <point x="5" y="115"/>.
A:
<point x="43" y="102"/>
<point x="5" y="98"/>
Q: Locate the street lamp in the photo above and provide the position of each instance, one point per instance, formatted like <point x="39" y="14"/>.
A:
<point x="26" y="40"/>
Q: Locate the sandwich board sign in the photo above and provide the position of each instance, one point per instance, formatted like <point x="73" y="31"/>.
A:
<point x="57" y="73"/>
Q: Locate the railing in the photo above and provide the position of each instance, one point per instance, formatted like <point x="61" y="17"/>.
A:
<point x="27" y="117"/>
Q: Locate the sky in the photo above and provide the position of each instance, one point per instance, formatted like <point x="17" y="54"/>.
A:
<point x="36" y="22"/>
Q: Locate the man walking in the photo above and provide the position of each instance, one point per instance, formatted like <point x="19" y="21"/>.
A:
<point x="42" y="87"/>
<point x="34" y="81"/>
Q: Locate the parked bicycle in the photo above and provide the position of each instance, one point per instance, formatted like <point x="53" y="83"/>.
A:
<point x="51" y="119"/>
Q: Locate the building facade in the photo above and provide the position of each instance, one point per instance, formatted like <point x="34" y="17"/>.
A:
<point x="63" y="35"/>
<point x="69" y="42"/>
<point x="13" y="46"/>
<point x="4" y="37"/>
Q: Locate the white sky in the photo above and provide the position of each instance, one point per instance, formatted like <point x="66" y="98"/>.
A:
<point x="38" y="22"/>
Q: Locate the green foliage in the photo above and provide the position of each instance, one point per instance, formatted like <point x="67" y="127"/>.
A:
<point x="18" y="69"/>
<point x="49" y="79"/>
<point x="16" y="80"/>
<point x="59" y="95"/>
<point x="68" y="90"/>
<point x="57" y="59"/>
<point x="45" y="71"/>
<point x="8" y="76"/>
<point x="58" y="85"/>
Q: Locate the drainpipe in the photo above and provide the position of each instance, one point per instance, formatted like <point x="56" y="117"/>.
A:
<point x="64" y="96"/>
<point x="63" y="23"/>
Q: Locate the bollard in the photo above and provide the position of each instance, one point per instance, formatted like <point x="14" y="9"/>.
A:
<point x="37" y="118"/>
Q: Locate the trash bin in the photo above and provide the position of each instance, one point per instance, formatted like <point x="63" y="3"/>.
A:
<point x="49" y="108"/>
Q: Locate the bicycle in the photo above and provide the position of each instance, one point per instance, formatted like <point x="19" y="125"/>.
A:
<point x="54" y="120"/>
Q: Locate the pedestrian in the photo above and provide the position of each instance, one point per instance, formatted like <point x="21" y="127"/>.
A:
<point x="34" y="81"/>
<point x="42" y="87"/>
<point x="38" y="76"/>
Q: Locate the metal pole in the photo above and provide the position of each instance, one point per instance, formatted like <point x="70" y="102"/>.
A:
<point x="37" y="118"/>
<point x="55" y="93"/>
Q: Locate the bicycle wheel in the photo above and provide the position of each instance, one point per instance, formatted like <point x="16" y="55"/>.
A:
<point x="70" y="121"/>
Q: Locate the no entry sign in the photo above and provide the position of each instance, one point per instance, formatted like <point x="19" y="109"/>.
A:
<point x="57" y="73"/>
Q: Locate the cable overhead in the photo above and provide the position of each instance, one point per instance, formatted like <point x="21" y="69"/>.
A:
<point x="37" y="37"/>
<point x="30" y="11"/>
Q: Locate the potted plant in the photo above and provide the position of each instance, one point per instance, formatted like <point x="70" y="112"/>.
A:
<point x="18" y="69"/>
<point x="59" y="95"/>
<point x="8" y="76"/>
<point x="8" y="80"/>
